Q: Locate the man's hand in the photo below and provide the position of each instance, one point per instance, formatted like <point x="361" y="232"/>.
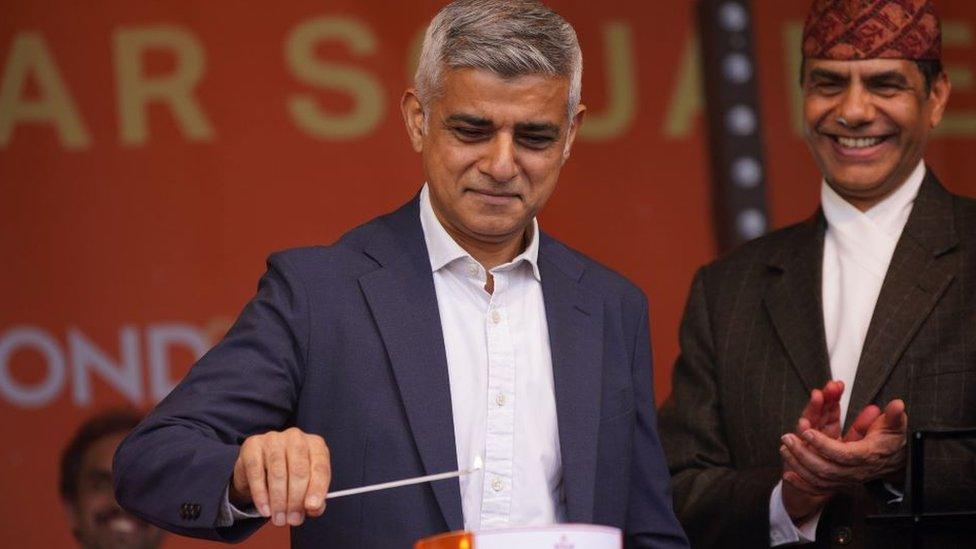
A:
<point x="284" y="474"/>
<point x="873" y="448"/>
<point x="800" y="499"/>
<point x="823" y="410"/>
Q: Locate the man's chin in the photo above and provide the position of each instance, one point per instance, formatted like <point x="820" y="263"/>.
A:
<point x="143" y="539"/>
<point x="859" y="182"/>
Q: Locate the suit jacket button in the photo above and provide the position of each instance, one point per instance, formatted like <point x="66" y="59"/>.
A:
<point x="843" y="535"/>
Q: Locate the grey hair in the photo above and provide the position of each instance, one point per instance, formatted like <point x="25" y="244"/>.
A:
<point x="507" y="37"/>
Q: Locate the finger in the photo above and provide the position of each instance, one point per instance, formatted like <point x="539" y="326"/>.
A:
<point x="802" y="425"/>
<point x="833" y="390"/>
<point x="794" y="479"/>
<point x="796" y="467"/>
<point x="251" y="462"/>
<point x="814" y="405"/>
<point x="318" y="484"/>
<point x="277" y="466"/>
<point x="299" y="471"/>
<point x="859" y="428"/>
<point x="841" y="453"/>
<point x="831" y="421"/>
<point x="894" y="414"/>
<point x="829" y="471"/>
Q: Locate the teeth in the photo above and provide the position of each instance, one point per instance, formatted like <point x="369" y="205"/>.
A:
<point x="859" y="142"/>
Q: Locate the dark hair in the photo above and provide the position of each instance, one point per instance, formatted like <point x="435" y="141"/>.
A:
<point x="104" y="424"/>
<point x="930" y="69"/>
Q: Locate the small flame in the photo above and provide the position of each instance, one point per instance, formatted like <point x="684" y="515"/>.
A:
<point x="477" y="465"/>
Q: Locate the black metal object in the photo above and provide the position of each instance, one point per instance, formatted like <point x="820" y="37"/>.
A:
<point x="734" y="129"/>
<point x="917" y="518"/>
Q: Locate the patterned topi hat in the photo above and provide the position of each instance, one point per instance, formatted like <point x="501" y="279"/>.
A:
<point x="852" y="30"/>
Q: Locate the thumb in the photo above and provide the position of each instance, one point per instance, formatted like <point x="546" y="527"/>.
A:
<point x="862" y="423"/>
<point x="894" y="415"/>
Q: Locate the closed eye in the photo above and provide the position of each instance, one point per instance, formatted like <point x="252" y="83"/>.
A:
<point x="469" y="134"/>
<point x="536" y="141"/>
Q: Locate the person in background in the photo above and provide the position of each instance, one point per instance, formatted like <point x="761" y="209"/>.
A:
<point x="808" y="355"/>
<point x="85" y="485"/>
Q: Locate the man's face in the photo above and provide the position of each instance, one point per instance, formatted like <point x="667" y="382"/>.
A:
<point x="867" y="123"/>
<point x="492" y="150"/>
<point x="96" y="519"/>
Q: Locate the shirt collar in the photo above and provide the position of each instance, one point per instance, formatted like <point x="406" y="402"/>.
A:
<point x="443" y="249"/>
<point x="890" y="215"/>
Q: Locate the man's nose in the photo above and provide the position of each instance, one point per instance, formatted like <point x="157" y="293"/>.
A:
<point x="500" y="160"/>
<point x="855" y="108"/>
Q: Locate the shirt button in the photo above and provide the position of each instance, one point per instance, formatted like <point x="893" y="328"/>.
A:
<point x="497" y="485"/>
<point x="500" y="399"/>
<point x="473" y="271"/>
<point x="496" y="317"/>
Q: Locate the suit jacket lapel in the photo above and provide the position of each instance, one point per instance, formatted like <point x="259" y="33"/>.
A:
<point x="793" y="300"/>
<point x="920" y="271"/>
<point x="575" y="319"/>
<point x="403" y="302"/>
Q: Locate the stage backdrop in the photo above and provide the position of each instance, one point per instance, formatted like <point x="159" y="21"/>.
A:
<point x="152" y="154"/>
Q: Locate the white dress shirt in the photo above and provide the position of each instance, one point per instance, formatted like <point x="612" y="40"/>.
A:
<point x="857" y="251"/>
<point x="502" y="394"/>
<point x="500" y="371"/>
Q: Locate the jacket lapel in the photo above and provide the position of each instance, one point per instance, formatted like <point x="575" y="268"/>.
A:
<point x="921" y="270"/>
<point x="793" y="300"/>
<point x="575" y="319"/>
<point x="402" y="300"/>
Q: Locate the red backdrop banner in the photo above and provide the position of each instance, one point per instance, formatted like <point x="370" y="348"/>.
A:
<point x="152" y="154"/>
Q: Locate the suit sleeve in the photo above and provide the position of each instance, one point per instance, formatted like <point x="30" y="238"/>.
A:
<point x="174" y="468"/>
<point x="716" y="502"/>
<point x="651" y="521"/>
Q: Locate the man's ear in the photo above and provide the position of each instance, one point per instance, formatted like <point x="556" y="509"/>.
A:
<point x="574" y="126"/>
<point x="414" y="118"/>
<point x="941" y="89"/>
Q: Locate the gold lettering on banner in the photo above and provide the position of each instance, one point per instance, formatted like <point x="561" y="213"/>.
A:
<point x="28" y="56"/>
<point x="136" y="90"/>
<point x="686" y="100"/>
<point x="365" y="89"/>
<point x="621" y="86"/>
<point x="958" y="122"/>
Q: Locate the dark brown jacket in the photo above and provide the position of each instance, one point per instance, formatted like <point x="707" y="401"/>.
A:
<point x="753" y="346"/>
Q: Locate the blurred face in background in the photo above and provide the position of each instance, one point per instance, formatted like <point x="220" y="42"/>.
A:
<point x="492" y="149"/>
<point x="867" y="123"/>
<point x="96" y="519"/>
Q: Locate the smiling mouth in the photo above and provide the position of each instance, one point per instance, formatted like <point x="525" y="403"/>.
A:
<point x="858" y="142"/>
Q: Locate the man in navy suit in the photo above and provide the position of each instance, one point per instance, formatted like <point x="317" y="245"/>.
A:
<point x="450" y="330"/>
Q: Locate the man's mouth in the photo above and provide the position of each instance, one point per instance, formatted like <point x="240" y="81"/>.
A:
<point x="858" y="142"/>
<point x="858" y="146"/>
<point x="494" y="197"/>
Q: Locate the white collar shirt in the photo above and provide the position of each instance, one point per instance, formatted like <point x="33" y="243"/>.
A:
<point x="857" y="251"/>
<point x="500" y="369"/>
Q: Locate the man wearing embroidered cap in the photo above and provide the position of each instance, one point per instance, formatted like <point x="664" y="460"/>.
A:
<point x="809" y="354"/>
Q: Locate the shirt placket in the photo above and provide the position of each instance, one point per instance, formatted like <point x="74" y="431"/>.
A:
<point x="500" y="425"/>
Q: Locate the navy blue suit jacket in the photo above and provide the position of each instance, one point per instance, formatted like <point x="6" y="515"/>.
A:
<point x="345" y="341"/>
